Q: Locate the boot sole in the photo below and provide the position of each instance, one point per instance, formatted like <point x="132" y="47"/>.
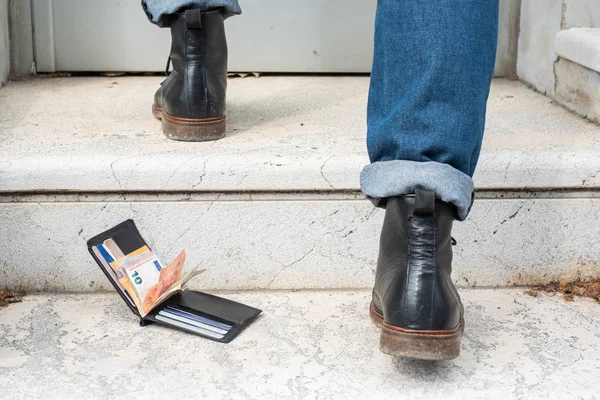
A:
<point x="190" y="130"/>
<point x="421" y="345"/>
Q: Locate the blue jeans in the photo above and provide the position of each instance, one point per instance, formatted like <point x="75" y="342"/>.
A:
<point x="157" y="9"/>
<point x="432" y="69"/>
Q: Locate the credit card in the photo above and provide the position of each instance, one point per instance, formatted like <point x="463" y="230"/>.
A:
<point x="110" y="271"/>
<point x="188" y="327"/>
<point x="111" y="245"/>
<point x="103" y="262"/>
<point x="105" y="254"/>
<point x="193" y="322"/>
<point x="198" y="318"/>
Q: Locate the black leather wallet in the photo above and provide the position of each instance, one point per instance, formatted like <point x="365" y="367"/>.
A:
<point x="226" y="317"/>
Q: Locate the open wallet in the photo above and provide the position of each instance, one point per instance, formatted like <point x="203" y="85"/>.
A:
<point x="154" y="291"/>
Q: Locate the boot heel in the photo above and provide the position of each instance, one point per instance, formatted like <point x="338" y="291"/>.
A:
<point x="423" y="345"/>
<point x="190" y="130"/>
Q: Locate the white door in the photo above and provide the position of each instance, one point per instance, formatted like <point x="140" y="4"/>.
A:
<point x="270" y="36"/>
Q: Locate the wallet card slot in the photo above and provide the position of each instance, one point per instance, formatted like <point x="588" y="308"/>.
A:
<point x="125" y="235"/>
<point x="115" y="284"/>
<point x="189" y="327"/>
<point x="173" y="310"/>
<point x="159" y="316"/>
<point x="210" y="322"/>
<point x="226" y="317"/>
<point x="225" y="309"/>
<point x="128" y="239"/>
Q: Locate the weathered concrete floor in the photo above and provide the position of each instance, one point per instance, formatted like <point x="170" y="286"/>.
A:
<point x="305" y="345"/>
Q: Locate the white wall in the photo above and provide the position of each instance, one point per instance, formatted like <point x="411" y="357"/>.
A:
<point x="581" y="14"/>
<point x="541" y="20"/>
<point x="325" y="45"/>
<point x="572" y="85"/>
<point x="508" y="37"/>
<point x="4" y="49"/>
<point x="21" y="38"/>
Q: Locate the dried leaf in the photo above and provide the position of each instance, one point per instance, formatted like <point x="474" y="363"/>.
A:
<point x="569" y="297"/>
<point x="589" y="288"/>
<point x="243" y="74"/>
<point x="7" y="297"/>
<point x="54" y="75"/>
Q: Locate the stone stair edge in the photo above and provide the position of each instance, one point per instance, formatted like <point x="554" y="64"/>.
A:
<point x="581" y="46"/>
<point x="502" y="170"/>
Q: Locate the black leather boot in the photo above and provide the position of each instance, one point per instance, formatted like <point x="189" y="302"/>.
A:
<point x="191" y="101"/>
<point x="414" y="300"/>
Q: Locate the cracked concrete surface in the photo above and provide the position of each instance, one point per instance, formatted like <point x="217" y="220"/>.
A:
<point x="290" y="241"/>
<point x="577" y="87"/>
<point x="305" y="345"/>
<point x="284" y="133"/>
<point x="276" y="204"/>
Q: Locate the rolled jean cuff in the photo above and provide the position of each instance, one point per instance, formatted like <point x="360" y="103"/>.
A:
<point x="156" y="10"/>
<point x="384" y="179"/>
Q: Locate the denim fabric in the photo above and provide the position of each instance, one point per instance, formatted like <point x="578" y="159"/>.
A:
<point x="404" y="177"/>
<point x="157" y="9"/>
<point x="432" y="68"/>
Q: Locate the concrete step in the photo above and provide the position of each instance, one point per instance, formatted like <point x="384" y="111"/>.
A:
<point x="305" y="345"/>
<point x="577" y="71"/>
<point x="276" y="204"/>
